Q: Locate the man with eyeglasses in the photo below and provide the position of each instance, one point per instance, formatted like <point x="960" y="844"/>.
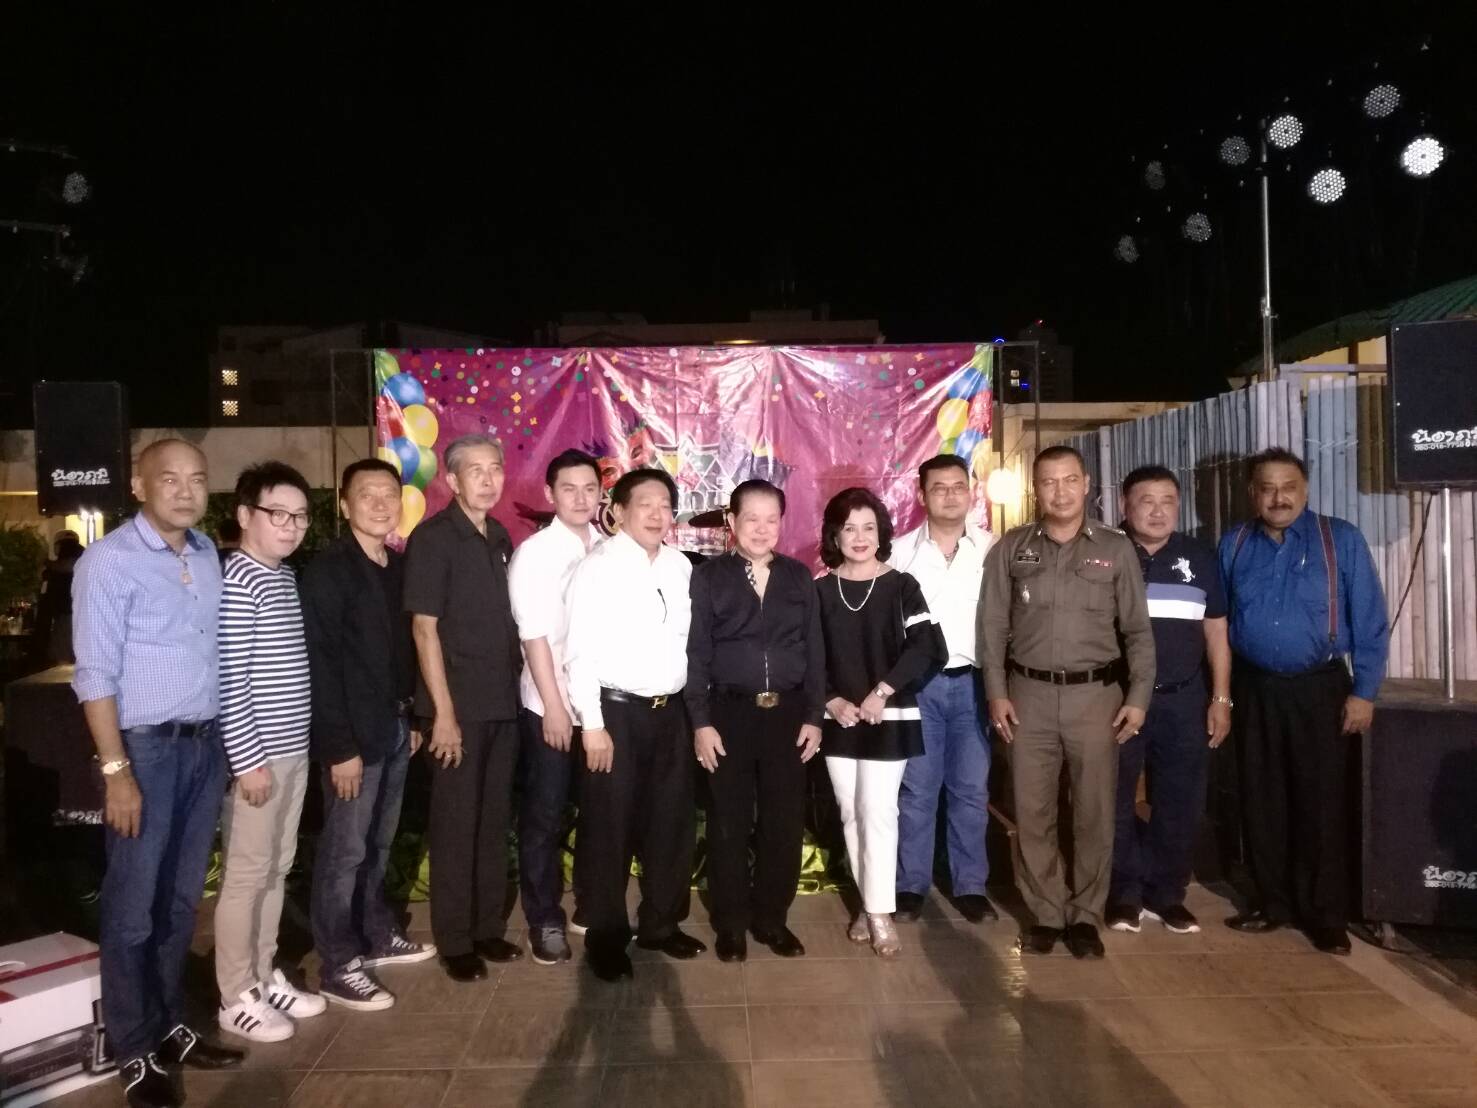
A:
<point x="145" y="604"/>
<point x="266" y="710"/>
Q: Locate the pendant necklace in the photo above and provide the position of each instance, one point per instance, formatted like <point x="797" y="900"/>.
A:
<point x="866" y="598"/>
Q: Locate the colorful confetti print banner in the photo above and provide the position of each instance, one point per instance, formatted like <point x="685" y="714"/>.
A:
<point x="814" y="420"/>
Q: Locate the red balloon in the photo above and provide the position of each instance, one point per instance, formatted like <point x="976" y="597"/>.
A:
<point x="388" y="415"/>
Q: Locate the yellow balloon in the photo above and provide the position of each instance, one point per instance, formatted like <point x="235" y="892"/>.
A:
<point x="953" y="417"/>
<point x="385" y="454"/>
<point x="984" y="460"/>
<point x="412" y="508"/>
<point x="420" y="425"/>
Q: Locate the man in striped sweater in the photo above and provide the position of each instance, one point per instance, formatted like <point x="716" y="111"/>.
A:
<point x="264" y="721"/>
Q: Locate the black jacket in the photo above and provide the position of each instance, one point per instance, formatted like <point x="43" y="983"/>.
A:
<point x="362" y="665"/>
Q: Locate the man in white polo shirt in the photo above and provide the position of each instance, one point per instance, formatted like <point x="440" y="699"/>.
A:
<point x="947" y="557"/>
<point x="537" y="579"/>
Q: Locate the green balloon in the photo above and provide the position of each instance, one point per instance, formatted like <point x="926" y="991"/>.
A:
<point x="426" y="471"/>
<point x="385" y="367"/>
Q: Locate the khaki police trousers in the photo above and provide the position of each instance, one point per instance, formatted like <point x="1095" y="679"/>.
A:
<point x="1072" y="723"/>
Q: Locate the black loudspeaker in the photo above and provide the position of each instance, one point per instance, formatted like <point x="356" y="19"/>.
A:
<point x="1433" y="403"/>
<point x="1419" y="790"/>
<point x="82" y="453"/>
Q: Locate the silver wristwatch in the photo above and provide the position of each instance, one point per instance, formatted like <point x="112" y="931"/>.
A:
<point x="1226" y="700"/>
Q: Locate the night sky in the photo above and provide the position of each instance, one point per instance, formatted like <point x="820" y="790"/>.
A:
<point x="956" y="178"/>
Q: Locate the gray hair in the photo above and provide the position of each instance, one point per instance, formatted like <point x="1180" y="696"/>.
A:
<point x="460" y="446"/>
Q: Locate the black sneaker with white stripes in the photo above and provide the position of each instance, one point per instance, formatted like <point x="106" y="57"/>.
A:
<point x="145" y="1083"/>
<point x="400" y="951"/>
<point x="354" y="987"/>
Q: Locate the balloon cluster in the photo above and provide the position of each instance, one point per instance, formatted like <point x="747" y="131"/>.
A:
<point x="408" y="430"/>
<point x="956" y="436"/>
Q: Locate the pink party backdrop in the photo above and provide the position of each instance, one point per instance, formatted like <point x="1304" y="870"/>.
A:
<point x="813" y="420"/>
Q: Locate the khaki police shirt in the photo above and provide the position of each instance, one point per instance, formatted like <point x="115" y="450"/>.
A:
<point x="1064" y="607"/>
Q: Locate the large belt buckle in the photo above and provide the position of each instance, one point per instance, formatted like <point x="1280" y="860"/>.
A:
<point x="659" y="701"/>
<point x="1058" y="677"/>
<point x="767" y="699"/>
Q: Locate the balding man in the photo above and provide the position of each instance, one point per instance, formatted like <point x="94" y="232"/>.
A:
<point x="144" y="608"/>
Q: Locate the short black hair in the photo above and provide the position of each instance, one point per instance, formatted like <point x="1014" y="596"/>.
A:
<point x="1060" y="450"/>
<point x="569" y="459"/>
<point x="838" y="511"/>
<point x="1149" y="473"/>
<point x="1274" y="455"/>
<point x="621" y="494"/>
<point x="257" y="479"/>
<point x="938" y="462"/>
<point x="364" y="465"/>
<point x="757" y="486"/>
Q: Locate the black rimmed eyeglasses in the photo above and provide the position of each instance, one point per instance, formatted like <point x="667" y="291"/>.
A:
<point x="280" y="516"/>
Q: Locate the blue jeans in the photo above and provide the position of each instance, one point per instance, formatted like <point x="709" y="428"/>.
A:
<point x="1152" y="861"/>
<point x="154" y="882"/>
<point x="956" y="761"/>
<point x="350" y="915"/>
<point x="544" y="775"/>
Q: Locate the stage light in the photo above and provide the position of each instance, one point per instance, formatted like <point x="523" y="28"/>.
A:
<point x="1127" y="251"/>
<point x="1235" y="150"/>
<point x="1154" y="175"/>
<point x="1422" y="156"/>
<point x="75" y="188"/>
<point x="1381" y="101"/>
<point x="1326" y="186"/>
<point x="1285" y="131"/>
<point x="1002" y="485"/>
<point x="1197" y="227"/>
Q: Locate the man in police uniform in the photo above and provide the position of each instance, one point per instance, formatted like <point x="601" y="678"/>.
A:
<point x="1058" y="597"/>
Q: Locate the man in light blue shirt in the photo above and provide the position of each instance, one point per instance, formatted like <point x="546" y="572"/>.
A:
<point x="145" y="601"/>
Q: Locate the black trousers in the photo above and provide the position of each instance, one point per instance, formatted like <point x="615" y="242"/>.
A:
<point x="544" y="776"/>
<point x="1295" y="797"/>
<point x="643" y="808"/>
<point x="762" y="766"/>
<point x="470" y="806"/>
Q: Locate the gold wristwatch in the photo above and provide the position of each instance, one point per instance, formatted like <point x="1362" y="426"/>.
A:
<point x="114" y="767"/>
<point x="1226" y="700"/>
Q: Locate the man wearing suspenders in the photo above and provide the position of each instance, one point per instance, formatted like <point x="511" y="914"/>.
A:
<point x="1310" y="635"/>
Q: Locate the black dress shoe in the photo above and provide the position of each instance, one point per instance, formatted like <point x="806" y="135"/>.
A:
<point x="1040" y="940"/>
<point x="1330" y="940"/>
<point x="182" y="1047"/>
<point x="497" y="950"/>
<point x="1254" y="922"/>
<point x="609" y="963"/>
<point x="464" y="967"/>
<point x="1083" y="941"/>
<point x="976" y="907"/>
<point x="676" y="945"/>
<point x="731" y="946"/>
<point x="909" y="907"/>
<point x="782" y="942"/>
<point x="146" y="1085"/>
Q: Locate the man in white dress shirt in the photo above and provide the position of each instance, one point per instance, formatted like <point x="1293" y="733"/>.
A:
<point x="538" y="577"/>
<point x="947" y="556"/>
<point x="626" y="660"/>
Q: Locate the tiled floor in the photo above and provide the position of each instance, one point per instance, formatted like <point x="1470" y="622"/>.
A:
<point x="961" y="1018"/>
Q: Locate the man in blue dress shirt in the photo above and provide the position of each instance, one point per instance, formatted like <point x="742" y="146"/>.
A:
<point x="145" y="601"/>
<point x="1310" y="634"/>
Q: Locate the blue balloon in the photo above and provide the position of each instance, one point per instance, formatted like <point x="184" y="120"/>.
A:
<point x="968" y="439"/>
<point x="967" y="384"/>
<point x="410" y="457"/>
<point x="405" y="390"/>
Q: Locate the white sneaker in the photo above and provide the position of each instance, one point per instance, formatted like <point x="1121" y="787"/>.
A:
<point x="253" y="1018"/>
<point x="292" y="1001"/>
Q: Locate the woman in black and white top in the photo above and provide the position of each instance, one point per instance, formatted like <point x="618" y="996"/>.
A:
<point x="881" y="640"/>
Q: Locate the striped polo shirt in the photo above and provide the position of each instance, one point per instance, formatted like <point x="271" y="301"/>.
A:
<point x="1183" y="582"/>
<point x="265" y="708"/>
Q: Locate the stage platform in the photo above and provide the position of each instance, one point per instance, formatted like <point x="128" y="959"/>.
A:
<point x="961" y="1018"/>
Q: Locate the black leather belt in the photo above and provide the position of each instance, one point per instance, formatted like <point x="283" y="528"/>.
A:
<point x="1176" y="686"/>
<point x="621" y="697"/>
<point x="767" y="699"/>
<point x="179" y="729"/>
<point x="1105" y="674"/>
<point x="957" y="671"/>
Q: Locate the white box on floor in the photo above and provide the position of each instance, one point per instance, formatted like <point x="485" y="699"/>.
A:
<point x="50" y="993"/>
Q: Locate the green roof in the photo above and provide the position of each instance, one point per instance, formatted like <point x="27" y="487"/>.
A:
<point x="1442" y="302"/>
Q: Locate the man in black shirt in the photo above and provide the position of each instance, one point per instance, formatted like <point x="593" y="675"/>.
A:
<point x="756" y="691"/>
<point x="363" y="674"/>
<point x="456" y="589"/>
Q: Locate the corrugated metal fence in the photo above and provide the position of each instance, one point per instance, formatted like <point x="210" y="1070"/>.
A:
<point x="1339" y="426"/>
